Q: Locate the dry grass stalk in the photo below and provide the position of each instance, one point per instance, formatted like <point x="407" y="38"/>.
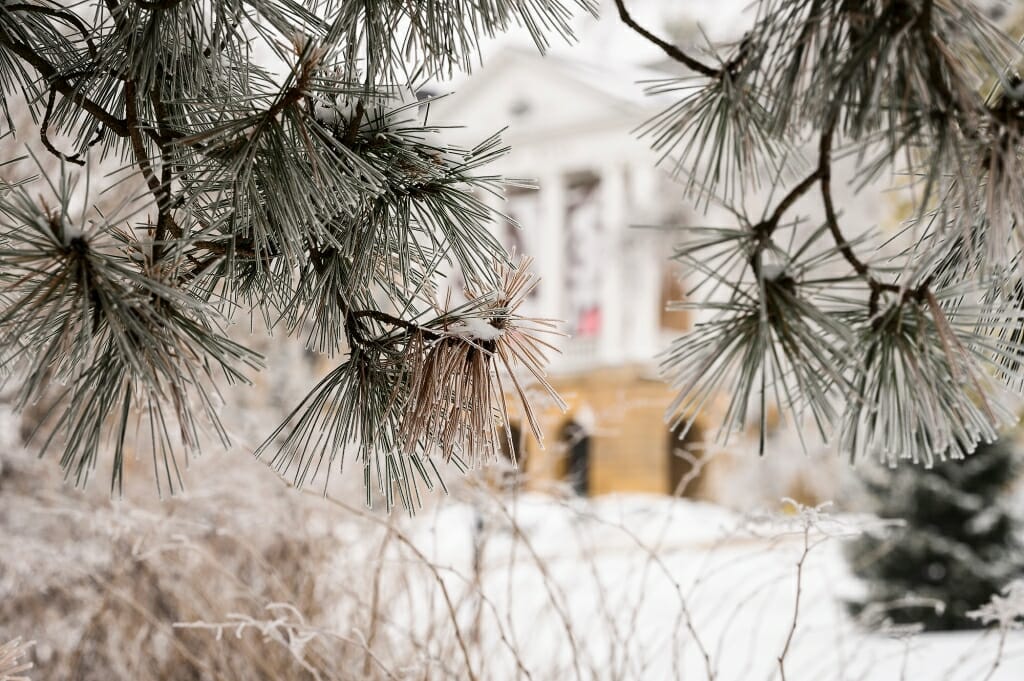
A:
<point x="12" y="655"/>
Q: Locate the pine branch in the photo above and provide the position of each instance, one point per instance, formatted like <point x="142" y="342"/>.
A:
<point x="157" y="5"/>
<point x="831" y="219"/>
<point x="855" y="74"/>
<point x="59" y="82"/>
<point x="668" y="48"/>
<point x="768" y="226"/>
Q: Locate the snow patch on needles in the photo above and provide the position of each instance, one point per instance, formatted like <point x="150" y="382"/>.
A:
<point x="477" y="328"/>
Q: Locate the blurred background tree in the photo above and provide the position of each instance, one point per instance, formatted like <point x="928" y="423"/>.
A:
<point x="958" y="542"/>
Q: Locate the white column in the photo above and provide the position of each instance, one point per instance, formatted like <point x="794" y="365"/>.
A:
<point x="644" y="182"/>
<point x="646" y="262"/>
<point x="616" y="289"/>
<point x="548" y="239"/>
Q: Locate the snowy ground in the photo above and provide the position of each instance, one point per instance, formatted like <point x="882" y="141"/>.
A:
<point x="642" y="587"/>
<point x="623" y="588"/>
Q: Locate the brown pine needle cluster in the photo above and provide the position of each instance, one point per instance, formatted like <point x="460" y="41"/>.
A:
<point x="411" y="394"/>
<point x="458" y="390"/>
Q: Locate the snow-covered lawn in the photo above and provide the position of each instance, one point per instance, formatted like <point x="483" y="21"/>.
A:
<point x="645" y="587"/>
<point x="245" y="575"/>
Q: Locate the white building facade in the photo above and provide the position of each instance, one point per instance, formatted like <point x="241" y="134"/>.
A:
<point x="570" y="129"/>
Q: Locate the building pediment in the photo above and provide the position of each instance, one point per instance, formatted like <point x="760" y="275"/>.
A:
<point x="537" y="97"/>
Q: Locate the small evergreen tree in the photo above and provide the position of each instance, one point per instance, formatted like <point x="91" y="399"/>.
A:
<point x="960" y="543"/>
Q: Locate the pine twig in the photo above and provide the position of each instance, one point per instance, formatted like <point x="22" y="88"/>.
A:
<point x="668" y="48"/>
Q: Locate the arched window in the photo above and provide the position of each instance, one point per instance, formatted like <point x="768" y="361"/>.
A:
<point x="685" y="449"/>
<point x="577" y="457"/>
